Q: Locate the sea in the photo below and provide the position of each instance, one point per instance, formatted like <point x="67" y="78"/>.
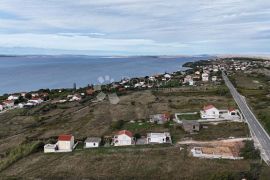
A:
<point x="30" y="73"/>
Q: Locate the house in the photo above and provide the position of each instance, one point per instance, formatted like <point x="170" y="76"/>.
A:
<point x="191" y="126"/>
<point x="65" y="142"/>
<point x="123" y="138"/>
<point x="90" y="91"/>
<point x="209" y="112"/>
<point x="160" y="118"/>
<point x="167" y="76"/>
<point x="1" y="107"/>
<point x="8" y="103"/>
<point x="76" y="97"/>
<point x="214" y="78"/>
<point x="35" y="100"/>
<point x="197" y="73"/>
<point x="191" y="83"/>
<point x="92" y="142"/>
<point x="205" y="77"/>
<point x="158" y="138"/>
<point x="13" y="97"/>
<point x="188" y="78"/>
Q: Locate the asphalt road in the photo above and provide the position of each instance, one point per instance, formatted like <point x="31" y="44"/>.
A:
<point x="259" y="134"/>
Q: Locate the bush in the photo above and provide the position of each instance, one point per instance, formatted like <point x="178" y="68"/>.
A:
<point x="118" y="125"/>
<point x="249" y="151"/>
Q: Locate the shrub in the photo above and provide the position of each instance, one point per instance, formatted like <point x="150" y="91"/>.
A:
<point x="117" y="125"/>
<point x="249" y="151"/>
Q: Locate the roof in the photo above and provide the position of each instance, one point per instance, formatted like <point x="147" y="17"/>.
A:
<point x="93" y="139"/>
<point x="210" y="106"/>
<point x="126" y="132"/>
<point x="156" y="135"/>
<point x="231" y="109"/>
<point x="8" y="101"/>
<point x="64" y="137"/>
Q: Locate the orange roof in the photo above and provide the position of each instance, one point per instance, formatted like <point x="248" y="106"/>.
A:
<point x="126" y="132"/>
<point x="64" y="137"/>
<point x="210" y="106"/>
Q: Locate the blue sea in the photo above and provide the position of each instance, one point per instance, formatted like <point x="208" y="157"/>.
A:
<point x="29" y="73"/>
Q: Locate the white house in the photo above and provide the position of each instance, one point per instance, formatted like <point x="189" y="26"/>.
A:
<point x="214" y="78"/>
<point x="65" y="142"/>
<point x="13" y="97"/>
<point x="1" y="107"/>
<point x="167" y="76"/>
<point x="92" y="142"/>
<point x="205" y="77"/>
<point x="188" y="78"/>
<point x="209" y="112"/>
<point x="8" y="103"/>
<point x="158" y="138"/>
<point x="123" y="138"/>
<point x="35" y="100"/>
<point x="76" y="97"/>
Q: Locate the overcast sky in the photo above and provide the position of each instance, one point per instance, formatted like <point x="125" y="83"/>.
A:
<point x="134" y="27"/>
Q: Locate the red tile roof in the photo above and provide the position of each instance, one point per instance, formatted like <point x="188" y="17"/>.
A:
<point x="210" y="106"/>
<point x="126" y="132"/>
<point x="231" y="109"/>
<point x="64" y="137"/>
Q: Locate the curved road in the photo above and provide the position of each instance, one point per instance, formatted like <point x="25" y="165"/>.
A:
<point x="258" y="133"/>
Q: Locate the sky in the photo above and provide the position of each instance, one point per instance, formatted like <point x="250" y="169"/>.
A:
<point x="135" y="27"/>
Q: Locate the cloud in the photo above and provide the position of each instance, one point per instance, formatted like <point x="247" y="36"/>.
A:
<point x="183" y="27"/>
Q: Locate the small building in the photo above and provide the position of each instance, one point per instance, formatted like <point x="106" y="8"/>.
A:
<point x="90" y="91"/>
<point x="65" y="142"/>
<point x="160" y="118"/>
<point x="92" y="142"/>
<point x="188" y="78"/>
<point x="191" y="126"/>
<point x="35" y="100"/>
<point x="205" y="77"/>
<point x="1" y="107"/>
<point x="214" y="78"/>
<point x="209" y="112"/>
<point x="123" y="138"/>
<point x="158" y="138"/>
<point x="76" y="97"/>
<point x="13" y="97"/>
<point x="167" y="76"/>
<point x="8" y="103"/>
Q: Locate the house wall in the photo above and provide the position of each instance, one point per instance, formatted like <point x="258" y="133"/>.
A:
<point x="123" y="140"/>
<point x="91" y="144"/>
<point x="66" y="145"/>
<point x="161" y="139"/>
<point x="210" y="114"/>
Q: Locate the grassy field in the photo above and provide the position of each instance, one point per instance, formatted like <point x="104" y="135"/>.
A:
<point x="125" y="163"/>
<point x="189" y="116"/>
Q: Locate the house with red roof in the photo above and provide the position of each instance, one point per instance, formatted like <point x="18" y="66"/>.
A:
<point x="8" y="103"/>
<point x="209" y="112"/>
<point x="65" y="143"/>
<point x="123" y="138"/>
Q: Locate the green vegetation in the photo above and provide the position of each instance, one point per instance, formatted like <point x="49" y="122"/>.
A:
<point x="249" y="151"/>
<point x="189" y="116"/>
<point x="19" y="152"/>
